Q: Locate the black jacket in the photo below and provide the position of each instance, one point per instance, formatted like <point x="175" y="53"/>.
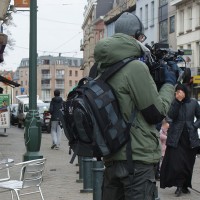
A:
<point x="183" y="115"/>
<point x="55" y="106"/>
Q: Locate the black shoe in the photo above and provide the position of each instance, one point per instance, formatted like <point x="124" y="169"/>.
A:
<point x="185" y="190"/>
<point x="53" y="146"/>
<point x="178" y="191"/>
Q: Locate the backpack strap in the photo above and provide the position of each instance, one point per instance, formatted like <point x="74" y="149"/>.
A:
<point x="115" y="67"/>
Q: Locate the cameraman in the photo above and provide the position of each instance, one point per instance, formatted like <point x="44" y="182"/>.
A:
<point x="136" y="92"/>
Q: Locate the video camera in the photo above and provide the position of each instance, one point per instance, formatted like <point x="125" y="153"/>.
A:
<point x="162" y="54"/>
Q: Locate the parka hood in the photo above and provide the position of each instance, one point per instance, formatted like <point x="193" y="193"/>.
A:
<point x="113" y="49"/>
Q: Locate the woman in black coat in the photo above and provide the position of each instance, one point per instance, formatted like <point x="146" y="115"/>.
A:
<point x="182" y="142"/>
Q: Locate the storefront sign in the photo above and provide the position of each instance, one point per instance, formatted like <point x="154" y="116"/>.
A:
<point x="196" y="79"/>
<point x="4" y="111"/>
<point x="22" y="3"/>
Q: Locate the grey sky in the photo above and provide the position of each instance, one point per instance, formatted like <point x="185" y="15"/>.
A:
<point x="58" y="31"/>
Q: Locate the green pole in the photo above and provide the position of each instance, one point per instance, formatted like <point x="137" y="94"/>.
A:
<point x="32" y="134"/>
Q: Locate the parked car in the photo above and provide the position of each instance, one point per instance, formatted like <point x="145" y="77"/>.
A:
<point x="23" y="108"/>
<point x="13" y="114"/>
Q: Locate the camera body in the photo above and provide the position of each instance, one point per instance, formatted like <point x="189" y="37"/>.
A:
<point x="161" y="55"/>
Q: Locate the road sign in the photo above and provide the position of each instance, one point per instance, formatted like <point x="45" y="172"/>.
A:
<point x="22" y="3"/>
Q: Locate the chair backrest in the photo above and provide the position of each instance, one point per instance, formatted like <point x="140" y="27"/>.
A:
<point x="32" y="172"/>
<point x="5" y="165"/>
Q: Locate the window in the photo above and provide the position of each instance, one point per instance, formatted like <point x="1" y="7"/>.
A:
<point x="21" y="83"/>
<point x="146" y="17"/>
<point x="46" y="95"/>
<point x="189" y="19"/>
<point x="163" y="31"/>
<point x="163" y="12"/>
<point x="59" y="62"/>
<point x="45" y="82"/>
<point x="69" y="62"/>
<point x="163" y="2"/>
<point x="76" y="73"/>
<point x="152" y="13"/>
<point x="163" y="21"/>
<point x="46" y="62"/>
<point x="70" y="72"/>
<point x="75" y="63"/>
<point x="59" y="81"/>
<point x="60" y="73"/>
<point x="181" y="24"/>
<point x="45" y="71"/>
<point x="70" y="82"/>
<point x="62" y="93"/>
<point x="172" y="24"/>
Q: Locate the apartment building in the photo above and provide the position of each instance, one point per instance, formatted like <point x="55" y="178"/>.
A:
<point x="147" y="11"/>
<point x="188" y="28"/>
<point x="188" y="37"/>
<point x="61" y="73"/>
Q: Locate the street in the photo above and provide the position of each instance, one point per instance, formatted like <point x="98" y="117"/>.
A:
<point x="60" y="178"/>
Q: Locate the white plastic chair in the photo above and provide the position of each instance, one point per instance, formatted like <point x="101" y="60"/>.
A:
<point x="5" y="165"/>
<point x="31" y="175"/>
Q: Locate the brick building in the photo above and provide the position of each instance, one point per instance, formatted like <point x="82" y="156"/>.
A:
<point x="59" y="72"/>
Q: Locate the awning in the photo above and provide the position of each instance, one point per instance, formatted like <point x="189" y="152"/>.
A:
<point x="9" y="82"/>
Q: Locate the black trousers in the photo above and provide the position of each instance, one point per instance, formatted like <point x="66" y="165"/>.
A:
<point x="119" y="185"/>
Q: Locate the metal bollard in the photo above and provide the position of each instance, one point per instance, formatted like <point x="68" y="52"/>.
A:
<point x="87" y="175"/>
<point x="98" y="169"/>
<point x="80" y="161"/>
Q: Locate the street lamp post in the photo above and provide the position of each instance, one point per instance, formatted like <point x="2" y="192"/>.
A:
<point x="32" y="134"/>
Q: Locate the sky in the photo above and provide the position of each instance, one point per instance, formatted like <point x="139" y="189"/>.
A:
<point x="58" y="31"/>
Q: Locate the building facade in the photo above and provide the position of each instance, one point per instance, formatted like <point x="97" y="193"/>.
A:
<point x="62" y="73"/>
<point x="147" y="11"/>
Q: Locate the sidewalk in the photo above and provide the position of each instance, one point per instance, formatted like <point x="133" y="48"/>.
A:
<point x="60" y="176"/>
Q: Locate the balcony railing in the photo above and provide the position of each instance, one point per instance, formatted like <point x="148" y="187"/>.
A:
<point x="59" y="86"/>
<point x="46" y="86"/>
<point x="46" y="76"/>
<point x="60" y="76"/>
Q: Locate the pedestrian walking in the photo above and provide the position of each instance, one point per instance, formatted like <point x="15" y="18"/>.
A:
<point x="56" y="130"/>
<point x="182" y="142"/>
<point x="136" y="91"/>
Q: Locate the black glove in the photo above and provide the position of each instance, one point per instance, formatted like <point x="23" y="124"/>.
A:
<point x="170" y="75"/>
<point x="174" y="67"/>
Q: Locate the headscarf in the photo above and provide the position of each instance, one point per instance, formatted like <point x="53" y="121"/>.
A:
<point x="183" y="87"/>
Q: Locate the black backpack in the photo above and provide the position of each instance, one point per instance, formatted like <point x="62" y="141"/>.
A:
<point x="91" y="117"/>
